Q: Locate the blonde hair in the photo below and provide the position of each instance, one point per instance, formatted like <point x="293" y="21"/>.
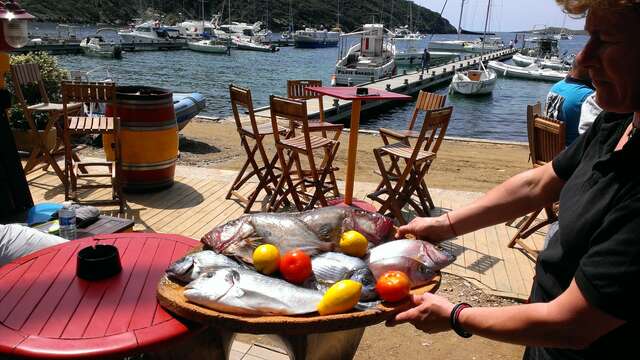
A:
<point x="580" y="7"/>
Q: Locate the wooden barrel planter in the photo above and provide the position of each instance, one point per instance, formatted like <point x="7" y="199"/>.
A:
<point x="149" y="138"/>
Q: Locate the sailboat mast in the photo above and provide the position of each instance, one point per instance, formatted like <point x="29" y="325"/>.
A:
<point x="229" y="12"/>
<point x="486" y="23"/>
<point x="460" y="19"/>
<point x="202" y="4"/>
<point x="411" y="16"/>
<point x="338" y="14"/>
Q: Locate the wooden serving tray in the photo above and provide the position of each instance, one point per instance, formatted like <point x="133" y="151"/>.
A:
<point x="171" y="297"/>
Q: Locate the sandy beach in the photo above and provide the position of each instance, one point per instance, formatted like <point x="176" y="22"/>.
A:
<point x="461" y="165"/>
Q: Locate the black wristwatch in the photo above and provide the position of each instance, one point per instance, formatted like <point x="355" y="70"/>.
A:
<point x="453" y="320"/>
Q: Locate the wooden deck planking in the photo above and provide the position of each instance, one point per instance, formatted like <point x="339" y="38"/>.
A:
<point x="194" y="205"/>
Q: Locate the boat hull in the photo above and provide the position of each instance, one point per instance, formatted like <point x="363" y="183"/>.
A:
<point x="469" y="87"/>
<point x="314" y="44"/>
<point x="211" y="49"/>
<point x="526" y="73"/>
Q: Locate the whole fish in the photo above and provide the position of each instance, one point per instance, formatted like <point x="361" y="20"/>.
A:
<point x="420" y="260"/>
<point x="239" y="238"/>
<point x="192" y="266"/>
<point x="242" y="291"/>
<point x="331" y="267"/>
<point x="330" y="222"/>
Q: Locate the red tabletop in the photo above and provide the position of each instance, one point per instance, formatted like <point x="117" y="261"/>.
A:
<point x="349" y="93"/>
<point x="46" y="311"/>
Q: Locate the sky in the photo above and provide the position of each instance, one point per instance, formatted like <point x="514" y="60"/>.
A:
<point x="507" y="15"/>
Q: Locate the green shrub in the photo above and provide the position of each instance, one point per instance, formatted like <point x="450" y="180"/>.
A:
<point x="52" y="74"/>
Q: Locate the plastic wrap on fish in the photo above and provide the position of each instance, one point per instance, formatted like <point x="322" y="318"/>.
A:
<point x="329" y="268"/>
<point x="315" y="231"/>
<point x="242" y="291"/>
<point x="420" y="260"/>
<point x="192" y="266"/>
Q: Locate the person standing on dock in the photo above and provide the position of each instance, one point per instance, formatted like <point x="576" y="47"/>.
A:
<point x="565" y="99"/>
<point x="426" y="58"/>
<point x="584" y="298"/>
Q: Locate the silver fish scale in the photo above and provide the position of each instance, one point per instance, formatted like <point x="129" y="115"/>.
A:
<point x="247" y="292"/>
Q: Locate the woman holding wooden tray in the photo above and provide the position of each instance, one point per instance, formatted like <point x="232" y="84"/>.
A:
<point x="584" y="300"/>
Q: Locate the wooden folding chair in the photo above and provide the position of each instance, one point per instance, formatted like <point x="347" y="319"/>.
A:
<point x="546" y="141"/>
<point x="426" y="101"/>
<point x="295" y="146"/>
<point x="92" y="92"/>
<point x="263" y="167"/>
<point x="398" y="188"/>
<point x="297" y="89"/>
<point x="27" y="75"/>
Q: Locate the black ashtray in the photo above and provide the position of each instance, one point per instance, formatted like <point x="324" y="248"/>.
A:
<point x="98" y="262"/>
<point x="362" y="91"/>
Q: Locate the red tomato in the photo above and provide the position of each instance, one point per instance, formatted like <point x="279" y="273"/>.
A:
<point x="295" y="266"/>
<point x="393" y="286"/>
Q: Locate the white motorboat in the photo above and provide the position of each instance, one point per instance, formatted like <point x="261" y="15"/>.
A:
<point x="554" y="62"/>
<point x="209" y="46"/>
<point x="474" y="82"/>
<point x="531" y="72"/>
<point x="151" y="36"/>
<point x="243" y="43"/>
<point x="234" y="29"/>
<point x="196" y="29"/>
<point x="95" y="45"/>
<point x="408" y="50"/>
<point x="312" y="38"/>
<point x="372" y="58"/>
<point x="491" y="44"/>
<point x="448" y="45"/>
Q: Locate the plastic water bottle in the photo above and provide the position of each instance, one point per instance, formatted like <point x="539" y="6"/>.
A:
<point x="67" y="219"/>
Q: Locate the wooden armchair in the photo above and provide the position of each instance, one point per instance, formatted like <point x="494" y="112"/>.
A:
<point x="399" y="185"/>
<point x="546" y="141"/>
<point x="295" y="146"/>
<point x="24" y="75"/>
<point x="92" y="92"/>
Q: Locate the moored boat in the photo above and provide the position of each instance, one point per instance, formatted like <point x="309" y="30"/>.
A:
<point x="209" y="46"/>
<point x="370" y="59"/>
<point x="312" y="38"/>
<point x="95" y="45"/>
<point x="531" y="72"/>
<point x="474" y="82"/>
<point x="554" y="62"/>
<point x="241" y="43"/>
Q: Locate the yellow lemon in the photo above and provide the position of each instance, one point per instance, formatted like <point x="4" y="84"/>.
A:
<point x="353" y="243"/>
<point x="340" y="297"/>
<point x="266" y="259"/>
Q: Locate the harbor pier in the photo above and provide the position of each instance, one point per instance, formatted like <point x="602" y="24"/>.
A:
<point x="406" y="82"/>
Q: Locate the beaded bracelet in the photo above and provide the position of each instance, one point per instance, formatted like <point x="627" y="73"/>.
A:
<point x="453" y="320"/>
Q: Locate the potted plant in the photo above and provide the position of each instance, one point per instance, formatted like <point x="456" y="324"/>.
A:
<point x="53" y="75"/>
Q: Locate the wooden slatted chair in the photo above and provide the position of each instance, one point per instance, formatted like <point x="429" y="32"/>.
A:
<point x="92" y="92"/>
<point x="399" y="188"/>
<point x="546" y="141"/>
<point x="294" y="184"/>
<point x="29" y="75"/>
<point x="426" y="101"/>
<point x="263" y="168"/>
<point x="297" y="89"/>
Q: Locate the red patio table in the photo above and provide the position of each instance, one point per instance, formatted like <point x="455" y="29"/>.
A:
<point x="349" y="93"/>
<point x="46" y="311"/>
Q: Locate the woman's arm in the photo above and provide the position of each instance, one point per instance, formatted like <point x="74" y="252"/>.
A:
<point x="569" y="321"/>
<point x="520" y="195"/>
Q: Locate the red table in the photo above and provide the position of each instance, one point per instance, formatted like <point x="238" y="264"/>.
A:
<point x="349" y="93"/>
<point x="48" y="312"/>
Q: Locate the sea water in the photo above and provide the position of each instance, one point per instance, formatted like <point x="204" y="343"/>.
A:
<point x="498" y="116"/>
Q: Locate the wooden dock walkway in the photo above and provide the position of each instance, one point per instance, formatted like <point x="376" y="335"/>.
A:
<point x="196" y="204"/>
<point x="407" y="82"/>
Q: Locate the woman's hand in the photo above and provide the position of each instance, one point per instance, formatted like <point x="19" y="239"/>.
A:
<point x="430" y="313"/>
<point x="430" y="229"/>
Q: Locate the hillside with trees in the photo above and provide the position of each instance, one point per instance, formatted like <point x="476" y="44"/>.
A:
<point x="275" y="14"/>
